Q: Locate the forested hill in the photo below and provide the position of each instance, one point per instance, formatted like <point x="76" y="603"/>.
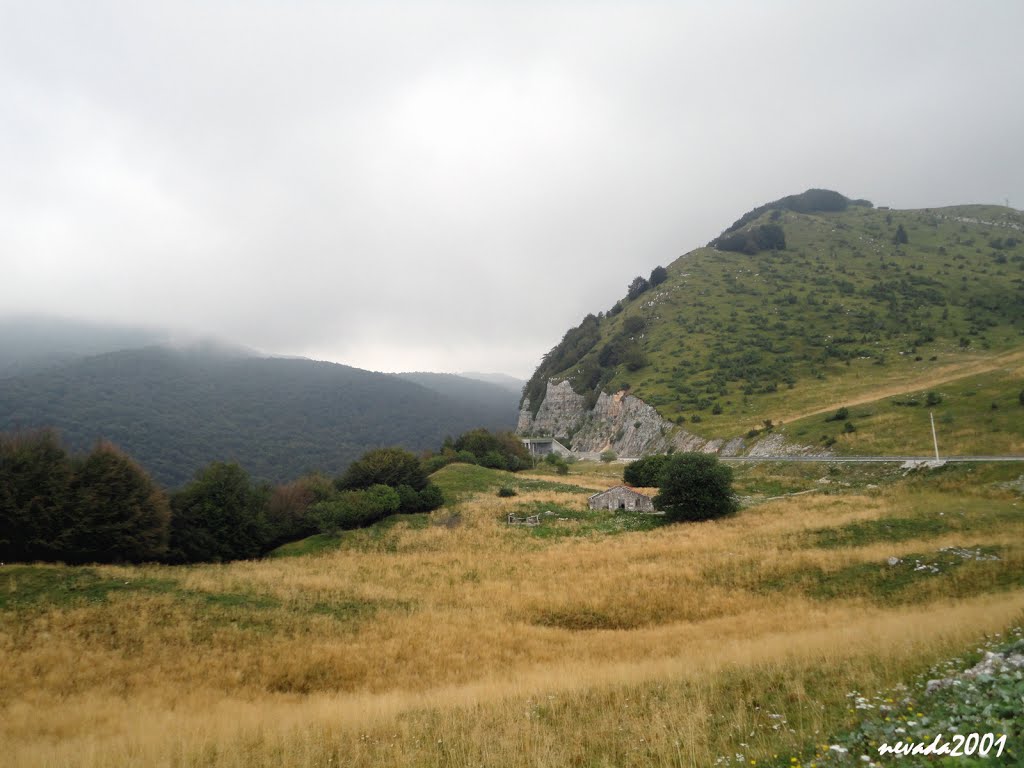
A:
<point x="177" y="410"/>
<point x="810" y="299"/>
<point x="497" y="398"/>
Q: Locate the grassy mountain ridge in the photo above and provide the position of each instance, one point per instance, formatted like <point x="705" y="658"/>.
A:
<point x="857" y="299"/>
<point x="177" y="410"/>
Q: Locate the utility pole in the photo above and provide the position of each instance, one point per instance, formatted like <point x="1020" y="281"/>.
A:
<point x="935" y="439"/>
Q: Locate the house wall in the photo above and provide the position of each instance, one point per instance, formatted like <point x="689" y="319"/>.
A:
<point x="615" y="498"/>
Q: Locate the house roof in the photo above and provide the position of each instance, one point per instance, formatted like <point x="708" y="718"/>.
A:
<point x="617" y="488"/>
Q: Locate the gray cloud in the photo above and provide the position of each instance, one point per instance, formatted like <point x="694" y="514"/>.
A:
<point x="449" y="186"/>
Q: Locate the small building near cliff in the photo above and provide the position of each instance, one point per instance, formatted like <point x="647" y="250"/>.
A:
<point x="542" y="446"/>
<point x="620" y="497"/>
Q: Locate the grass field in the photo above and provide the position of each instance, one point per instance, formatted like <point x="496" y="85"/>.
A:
<point x="452" y="639"/>
<point x="975" y="415"/>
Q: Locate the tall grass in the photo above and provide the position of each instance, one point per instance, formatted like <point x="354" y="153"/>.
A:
<point x="475" y="643"/>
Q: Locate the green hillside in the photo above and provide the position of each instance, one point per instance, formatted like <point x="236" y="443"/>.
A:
<point x="177" y="410"/>
<point x="807" y="302"/>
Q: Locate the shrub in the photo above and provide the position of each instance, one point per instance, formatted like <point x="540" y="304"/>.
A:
<point x="411" y="501"/>
<point x="658" y="276"/>
<point x="841" y="415"/>
<point x="633" y="324"/>
<point x="506" y="491"/>
<point x="646" y="472"/>
<point x="218" y="516"/>
<point x="499" y="450"/>
<point x="35" y="472"/>
<point x="116" y="512"/>
<point x="288" y="508"/>
<point x="357" y="508"/>
<point x="637" y="287"/>
<point x="384" y="466"/>
<point x="932" y="398"/>
<point x="608" y="456"/>
<point x="695" y="486"/>
<point x="100" y="508"/>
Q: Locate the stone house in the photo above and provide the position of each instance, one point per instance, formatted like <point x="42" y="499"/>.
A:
<point x="621" y="498"/>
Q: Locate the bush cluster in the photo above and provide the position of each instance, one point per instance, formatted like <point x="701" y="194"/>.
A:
<point x="103" y="507"/>
<point x="98" y="508"/>
<point x="495" y="450"/>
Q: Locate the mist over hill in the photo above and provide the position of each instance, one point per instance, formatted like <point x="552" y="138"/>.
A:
<point x="493" y="398"/>
<point x="176" y="410"/>
<point x="31" y="343"/>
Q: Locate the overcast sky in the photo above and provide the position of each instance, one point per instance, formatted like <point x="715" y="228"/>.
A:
<point x="450" y="186"/>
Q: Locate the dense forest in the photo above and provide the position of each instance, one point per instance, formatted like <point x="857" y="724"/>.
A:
<point x="176" y="410"/>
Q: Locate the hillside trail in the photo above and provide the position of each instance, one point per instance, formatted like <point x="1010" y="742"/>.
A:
<point x="942" y="375"/>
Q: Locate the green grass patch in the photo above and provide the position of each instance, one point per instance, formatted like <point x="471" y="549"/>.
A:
<point x="311" y="545"/>
<point x="458" y="481"/>
<point x="916" y="577"/>
<point x="977" y="415"/>
<point x="363" y="538"/>
<point x="24" y="586"/>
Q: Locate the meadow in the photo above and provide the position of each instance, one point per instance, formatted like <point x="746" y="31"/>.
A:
<point x="453" y="639"/>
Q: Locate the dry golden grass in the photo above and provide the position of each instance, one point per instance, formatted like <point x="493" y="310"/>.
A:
<point x="482" y="644"/>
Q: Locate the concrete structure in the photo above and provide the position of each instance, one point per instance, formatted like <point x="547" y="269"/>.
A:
<point x="621" y="498"/>
<point x="542" y="446"/>
<point x="531" y="520"/>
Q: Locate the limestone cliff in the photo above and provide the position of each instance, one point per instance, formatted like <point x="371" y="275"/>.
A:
<point x="619" y="422"/>
<point x="627" y="425"/>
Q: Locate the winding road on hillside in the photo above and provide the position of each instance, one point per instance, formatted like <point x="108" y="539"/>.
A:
<point x="940" y="376"/>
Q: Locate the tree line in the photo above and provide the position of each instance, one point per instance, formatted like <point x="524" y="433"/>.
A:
<point x="103" y="507"/>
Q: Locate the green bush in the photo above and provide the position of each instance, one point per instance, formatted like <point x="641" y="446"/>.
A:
<point x="506" y="491"/>
<point x="608" y="456"/>
<point x="219" y="516"/>
<point x="115" y="511"/>
<point x="100" y="508"/>
<point x="646" y="472"/>
<point x="841" y="415"/>
<point x="695" y="486"/>
<point x="357" y="508"/>
<point x="384" y="466"/>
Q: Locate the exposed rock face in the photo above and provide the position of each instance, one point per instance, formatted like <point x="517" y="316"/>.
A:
<point x="627" y="425"/>
<point x="620" y="422"/>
